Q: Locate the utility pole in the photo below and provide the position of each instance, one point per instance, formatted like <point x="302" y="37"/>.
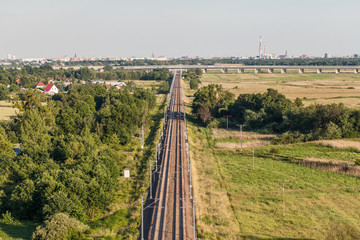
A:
<point x="142" y="218"/>
<point x="283" y="198"/>
<point x="150" y="181"/>
<point x="227" y="120"/>
<point x="283" y="194"/>
<point x="194" y="223"/>
<point x="142" y="136"/>
<point x="156" y="158"/>
<point x="241" y="126"/>
<point x="253" y="158"/>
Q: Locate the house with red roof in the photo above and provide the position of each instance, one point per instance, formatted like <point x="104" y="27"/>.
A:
<point x="40" y="85"/>
<point x="51" y="89"/>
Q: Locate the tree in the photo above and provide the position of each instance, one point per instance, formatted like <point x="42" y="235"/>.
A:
<point x="194" y="84"/>
<point x="5" y="145"/>
<point x="332" y="131"/>
<point x="164" y="87"/>
<point x="35" y="138"/>
<point x="214" y="97"/>
<point x="204" y="114"/>
<point x="4" y="92"/>
<point x="298" y="102"/>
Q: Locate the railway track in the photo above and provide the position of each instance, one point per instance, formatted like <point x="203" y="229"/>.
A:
<point x="169" y="209"/>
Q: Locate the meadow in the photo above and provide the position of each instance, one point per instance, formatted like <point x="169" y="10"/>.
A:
<point x="271" y="191"/>
<point x="270" y="196"/>
<point x="323" y="88"/>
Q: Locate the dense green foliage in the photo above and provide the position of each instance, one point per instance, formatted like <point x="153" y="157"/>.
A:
<point x="70" y="157"/>
<point x="193" y="76"/>
<point x="4" y="92"/>
<point x="273" y="112"/>
<point x="59" y="227"/>
<point x="212" y="98"/>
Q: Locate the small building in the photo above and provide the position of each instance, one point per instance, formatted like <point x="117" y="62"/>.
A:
<point x="51" y="89"/>
<point x="126" y="173"/>
<point x="100" y="81"/>
<point x="117" y="85"/>
<point x="40" y="85"/>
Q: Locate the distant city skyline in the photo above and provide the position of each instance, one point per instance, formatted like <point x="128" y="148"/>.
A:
<point x="125" y="28"/>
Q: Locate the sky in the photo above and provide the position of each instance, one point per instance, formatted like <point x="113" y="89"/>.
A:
<point x="174" y="28"/>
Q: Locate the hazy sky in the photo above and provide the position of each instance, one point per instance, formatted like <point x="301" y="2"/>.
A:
<point x="55" y="28"/>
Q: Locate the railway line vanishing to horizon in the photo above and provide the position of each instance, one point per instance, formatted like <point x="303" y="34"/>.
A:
<point x="169" y="210"/>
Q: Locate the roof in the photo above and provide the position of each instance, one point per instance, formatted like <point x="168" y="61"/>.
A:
<point x="48" y="87"/>
<point x="40" y="84"/>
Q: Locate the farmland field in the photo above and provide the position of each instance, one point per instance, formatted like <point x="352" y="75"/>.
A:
<point x="311" y="88"/>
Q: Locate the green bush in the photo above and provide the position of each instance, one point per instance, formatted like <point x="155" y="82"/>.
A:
<point x="58" y="227"/>
<point x="194" y="84"/>
<point x="274" y="151"/>
<point x="7" y="218"/>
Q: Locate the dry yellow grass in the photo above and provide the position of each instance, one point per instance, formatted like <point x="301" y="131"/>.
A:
<point x="340" y="143"/>
<point x="218" y="133"/>
<point x="244" y="144"/>
<point x="6" y="110"/>
<point x="214" y="212"/>
<point x="343" y="167"/>
<point x="312" y="88"/>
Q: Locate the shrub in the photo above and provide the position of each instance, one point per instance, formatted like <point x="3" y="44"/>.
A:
<point x="357" y="162"/>
<point x="213" y="124"/>
<point x="274" y="151"/>
<point x="58" y="227"/>
<point x="7" y="218"/>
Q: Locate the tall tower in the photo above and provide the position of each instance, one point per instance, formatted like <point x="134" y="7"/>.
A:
<point x="265" y="53"/>
<point x="260" y="48"/>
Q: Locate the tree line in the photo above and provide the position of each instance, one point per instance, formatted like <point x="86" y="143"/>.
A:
<point x="28" y="76"/>
<point x="272" y="112"/>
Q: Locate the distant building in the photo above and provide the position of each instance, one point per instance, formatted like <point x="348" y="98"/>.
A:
<point x="97" y="81"/>
<point x="40" y="85"/>
<point x="284" y="56"/>
<point x="327" y="55"/>
<point x="356" y="55"/>
<point x="51" y="89"/>
<point x="117" y="84"/>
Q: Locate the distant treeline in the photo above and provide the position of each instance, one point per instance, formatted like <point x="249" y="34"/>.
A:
<point x="253" y="61"/>
<point x="272" y="112"/>
<point x="28" y="76"/>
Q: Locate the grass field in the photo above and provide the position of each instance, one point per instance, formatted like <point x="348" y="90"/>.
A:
<point x="6" y="110"/>
<point x="16" y="231"/>
<point x="311" y="88"/>
<point x="271" y="196"/>
<point x="236" y="199"/>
